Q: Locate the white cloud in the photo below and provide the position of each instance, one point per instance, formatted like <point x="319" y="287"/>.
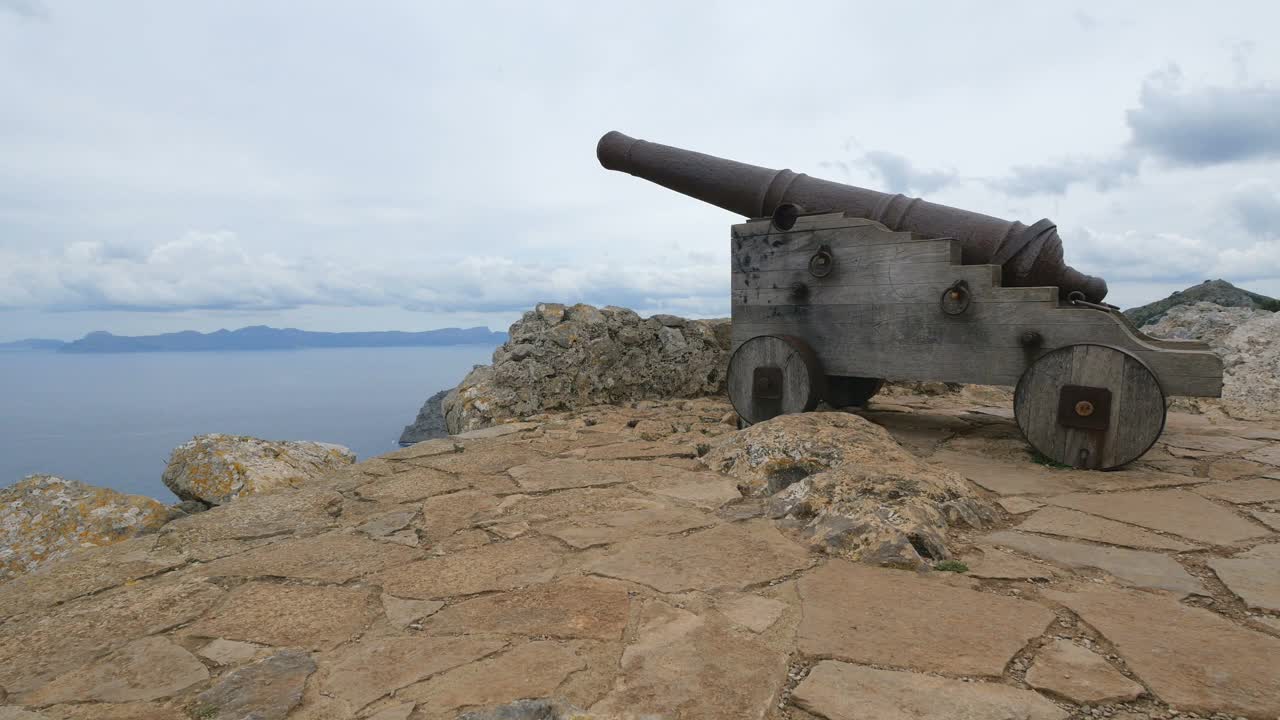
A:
<point x="1256" y="206"/>
<point x="1142" y="256"/>
<point x="216" y="270"/>
<point x="441" y="157"/>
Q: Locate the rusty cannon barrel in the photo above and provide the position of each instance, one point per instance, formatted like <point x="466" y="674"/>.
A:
<point x="1030" y="256"/>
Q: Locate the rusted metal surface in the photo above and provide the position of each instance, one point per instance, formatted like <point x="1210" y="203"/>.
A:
<point x="955" y="299"/>
<point x="821" y="263"/>
<point x="1086" y="408"/>
<point x="1030" y="256"/>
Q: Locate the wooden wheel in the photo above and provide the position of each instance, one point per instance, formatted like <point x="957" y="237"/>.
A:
<point x="847" y="391"/>
<point x="771" y="375"/>
<point x="1089" y="406"/>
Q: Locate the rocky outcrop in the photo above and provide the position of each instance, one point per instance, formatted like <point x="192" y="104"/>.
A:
<point x="1248" y="342"/>
<point x="562" y="358"/>
<point x="1218" y="292"/>
<point x="429" y="424"/>
<point x="850" y="487"/>
<point x="216" y="469"/>
<point x="45" y="517"/>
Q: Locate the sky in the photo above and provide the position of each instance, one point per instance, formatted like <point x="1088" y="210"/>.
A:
<point x="390" y="165"/>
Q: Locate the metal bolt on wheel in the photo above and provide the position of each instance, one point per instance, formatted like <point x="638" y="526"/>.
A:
<point x="1089" y="406"/>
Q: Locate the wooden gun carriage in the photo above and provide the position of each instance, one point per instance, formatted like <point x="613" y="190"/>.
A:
<point x="862" y="287"/>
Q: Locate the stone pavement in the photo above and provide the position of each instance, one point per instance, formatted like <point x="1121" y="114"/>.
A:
<point x="593" y="561"/>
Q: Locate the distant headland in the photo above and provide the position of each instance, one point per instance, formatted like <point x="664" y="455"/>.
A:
<point x="258" y="337"/>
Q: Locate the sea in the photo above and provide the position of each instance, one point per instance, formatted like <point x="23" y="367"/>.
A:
<point x="112" y="419"/>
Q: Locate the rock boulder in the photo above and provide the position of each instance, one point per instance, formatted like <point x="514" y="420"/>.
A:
<point x="45" y="517"/>
<point x="216" y="469"/>
<point x="849" y="487"/>
<point x="1248" y="340"/>
<point x="561" y="358"/>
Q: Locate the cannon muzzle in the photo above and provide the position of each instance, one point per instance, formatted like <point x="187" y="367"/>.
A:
<point x="1030" y="256"/>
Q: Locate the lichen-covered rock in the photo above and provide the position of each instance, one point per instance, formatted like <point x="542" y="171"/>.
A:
<point x="849" y="487"/>
<point x="217" y="469"/>
<point x="44" y="517"/>
<point x="1248" y="341"/>
<point x="560" y="358"/>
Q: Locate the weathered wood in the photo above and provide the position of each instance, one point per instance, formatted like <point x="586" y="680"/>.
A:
<point x="873" y="293"/>
<point x="762" y="255"/>
<point x="802" y="380"/>
<point x="916" y="341"/>
<point x="885" y="272"/>
<point x="1136" y="416"/>
<point x="1157" y="342"/>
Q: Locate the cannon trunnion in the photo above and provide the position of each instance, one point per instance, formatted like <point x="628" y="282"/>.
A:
<point x="826" y="306"/>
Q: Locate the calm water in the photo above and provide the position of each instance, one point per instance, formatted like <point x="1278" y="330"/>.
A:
<point x="111" y="420"/>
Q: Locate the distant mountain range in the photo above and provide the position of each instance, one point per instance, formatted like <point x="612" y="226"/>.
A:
<point x="259" y="337"/>
<point x="32" y="344"/>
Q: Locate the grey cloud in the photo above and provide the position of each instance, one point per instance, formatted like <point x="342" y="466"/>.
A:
<point x="1257" y="207"/>
<point x="1054" y="179"/>
<point x="901" y="176"/>
<point x="897" y="173"/>
<point x="1200" y="127"/>
<point x="1205" y="126"/>
<point x="29" y="9"/>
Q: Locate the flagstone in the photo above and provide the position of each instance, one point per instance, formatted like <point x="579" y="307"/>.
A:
<point x="1254" y="576"/>
<point x="1080" y="675"/>
<point x="531" y="670"/>
<point x="731" y="556"/>
<point x="370" y="669"/>
<point x="1133" y="567"/>
<point x="1074" y="524"/>
<point x="840" y="691"/>
<point x="575" y="607"/>
<point x="1193" y="659"/>
<point x="561" y="474"/>
<point x="149" y="668"/>
<point x="38" y="647"/>
<point x="897" y="618"/>
<point x="284" y="615"/>
<point x="497" y="566"/>
<point x="335" y="557"/>
<point x="1243" y="492"/>
<point x="584" y="531"/>
<point x="685" y="665"/>
<point x="1178" y="512"/>
<point x="413" y="486"/>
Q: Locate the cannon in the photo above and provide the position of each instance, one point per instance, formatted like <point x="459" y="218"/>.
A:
<point x="836" y="289"/>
